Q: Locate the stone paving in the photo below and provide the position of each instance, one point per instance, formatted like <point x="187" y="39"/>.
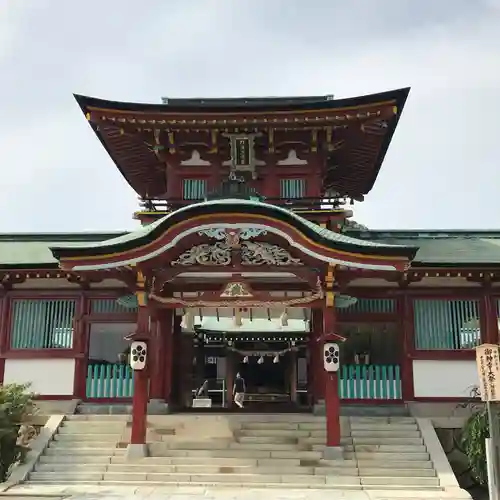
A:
<point x="92" y="492"/>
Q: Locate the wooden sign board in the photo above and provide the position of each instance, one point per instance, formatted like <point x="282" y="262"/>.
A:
<point x="488" y="367"/>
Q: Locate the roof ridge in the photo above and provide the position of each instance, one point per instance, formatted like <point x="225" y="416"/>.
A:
<point x="424" y="232"/>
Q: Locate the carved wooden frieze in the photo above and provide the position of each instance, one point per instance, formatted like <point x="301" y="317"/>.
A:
<point x="251" y="254"/>
<point x="258" y="254"/>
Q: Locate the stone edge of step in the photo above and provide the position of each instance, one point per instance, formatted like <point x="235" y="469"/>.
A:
<point x="21" y="472"/>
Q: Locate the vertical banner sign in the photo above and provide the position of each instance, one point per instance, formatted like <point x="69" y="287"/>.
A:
<point x="242" y="151"/>
<point x="488" y="366"/>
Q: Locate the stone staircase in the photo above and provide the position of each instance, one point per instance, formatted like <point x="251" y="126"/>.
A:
<point x="258" y="450"/>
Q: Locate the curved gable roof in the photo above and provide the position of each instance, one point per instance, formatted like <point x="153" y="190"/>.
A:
<point x="165" y="232"/>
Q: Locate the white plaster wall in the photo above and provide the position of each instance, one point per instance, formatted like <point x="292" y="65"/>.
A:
<point x="445" y="379"/>
<point x="47" y="376"/>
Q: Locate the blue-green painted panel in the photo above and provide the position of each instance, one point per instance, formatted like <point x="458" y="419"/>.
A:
<point x="292" y="188"/>
<point x="372" y="306"/>
<point x="446" y="324"/>
<point x="109" y="381"/>
<point x="42" y="324"/>
<point x="370" y="382"/>
<point x="108" y="306"/>
<point x="194" y="189"/>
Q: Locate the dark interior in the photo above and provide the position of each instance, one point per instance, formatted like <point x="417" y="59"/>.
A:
<point x="264" y="378"/>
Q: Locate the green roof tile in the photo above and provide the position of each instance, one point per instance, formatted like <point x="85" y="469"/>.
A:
<point x="444" y="247"/>
<point x="245" y="205"/>
<point x="31" y="250"/>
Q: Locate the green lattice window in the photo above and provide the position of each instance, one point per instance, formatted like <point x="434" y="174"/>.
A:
<point x="42" y="324"/>
<point x="109" y="306"/>
<point x="292" y="188"/>
<point x="194" y="189"/>
<point x="372" y="306"/>
<point x="446" y="324"/>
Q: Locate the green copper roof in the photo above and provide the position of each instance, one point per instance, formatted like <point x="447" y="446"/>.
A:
<point x="29" y="250"/>
<point x="443" y="247"/>
<point x="232" y="206"/>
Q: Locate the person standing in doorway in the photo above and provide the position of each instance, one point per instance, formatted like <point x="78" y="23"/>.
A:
<point x="239" y="390"/>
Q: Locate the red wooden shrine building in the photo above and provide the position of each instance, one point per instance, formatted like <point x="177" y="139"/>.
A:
<point x="246" y="261"/>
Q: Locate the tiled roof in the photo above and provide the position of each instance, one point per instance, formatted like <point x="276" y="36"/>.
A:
<point x="33" y="249"/>
<point x="443" y="246"/>
<point x="435" y="247"/>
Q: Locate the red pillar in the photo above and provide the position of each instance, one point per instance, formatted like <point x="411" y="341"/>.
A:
<point x="488" y="318"/>
<point x="317" y="356"/>
<point x="405" y="311"/>
<point x="139" y="407"/>
<point x="332" y="400"/>
<point x="161" y="355"/>
<point x="81" y="346"/>
<point x="4" y="329"/>
<point x="141" y="384"/>
<point x="168" y="353"/>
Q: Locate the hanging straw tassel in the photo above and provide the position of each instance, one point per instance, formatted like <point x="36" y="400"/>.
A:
<point x="284" y="318"/>
<point x="188" y="320"/>
<point x="237" y="317"/>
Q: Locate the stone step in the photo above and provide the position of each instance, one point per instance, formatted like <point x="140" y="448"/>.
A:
<point x="389" y="464"/>
<point x="265" y="480"/>
<point x="270" y="426"/>
<point x="89" y="461"/>
<point x="278" y="417"/>
<point x="71" y="437"/>
<point x="381" y="409"/>
<point x="197" y="469"/>
<point x="218" y="461"/>
<point x="73" y="459"/>
<point x="212" y="468"/>
<point x="265" y="444"/>
<point x="69" y="451"/>
<point x="389" y="457"/>
<point x="188" y="478"/>
<point x="79" y="445"/>
<point x="98" y="418"/>
<point x="386" y="434"/>
<point x="388" y="440"/>
<point x="236" y="453"/>
<point x="391" y="448"/>
<point x="312" y="441"/>
<point x="274" y="433"/>
<point x="372" y="448"/>
<point x="56" y="468"/>
<point x="287" y="426"/>
<point x="383" y="426"/>
<point x="103" y="409"/>
<point x="93" y="430"/>
<point x="390" y="492"/>
<point x="381" y="419"/>
<point x="288" y="440"/>
<point x="399" y="472"/>
<point x="400" y="481"/>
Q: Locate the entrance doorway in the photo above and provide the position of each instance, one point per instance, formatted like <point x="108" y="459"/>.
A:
<point x="266" y="378"/>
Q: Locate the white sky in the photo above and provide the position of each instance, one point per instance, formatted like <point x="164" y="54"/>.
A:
<point x="442" y="169"/>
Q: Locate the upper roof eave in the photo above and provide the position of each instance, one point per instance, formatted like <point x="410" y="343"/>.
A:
<point x="270" y="105"/>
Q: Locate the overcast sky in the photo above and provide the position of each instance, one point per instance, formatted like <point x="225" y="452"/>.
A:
<point x="442" y="169"/>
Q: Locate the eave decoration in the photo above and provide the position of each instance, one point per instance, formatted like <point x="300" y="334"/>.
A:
<point x="238" y="294"/>
<point x="251" y="253"/>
